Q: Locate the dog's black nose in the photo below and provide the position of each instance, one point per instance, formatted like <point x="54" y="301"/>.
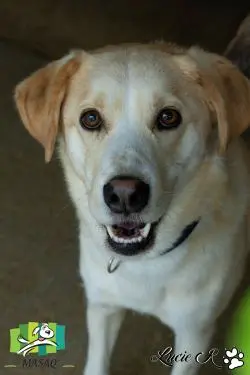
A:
<point x="125" y="194"/>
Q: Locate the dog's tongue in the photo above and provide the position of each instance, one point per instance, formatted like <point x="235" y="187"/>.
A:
<point x="129" y="225"/>
<point x="41" y="339"/>
<point x="127" y="229"/>
<point x="126" y="226"/>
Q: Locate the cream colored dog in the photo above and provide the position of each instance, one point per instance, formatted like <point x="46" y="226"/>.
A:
<point x="149" y="142"/>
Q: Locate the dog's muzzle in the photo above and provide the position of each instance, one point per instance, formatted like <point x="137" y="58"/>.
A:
<point x="126" y="196"/>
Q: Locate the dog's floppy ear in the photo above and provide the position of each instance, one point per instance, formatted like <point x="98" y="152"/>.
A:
<point x="227" y="92"/>
<point x="39" y="99"/>
<point x="35" y="331"/>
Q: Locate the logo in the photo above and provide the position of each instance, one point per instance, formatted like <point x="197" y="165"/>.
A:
<point x="168" y="357"/>
<point x="233" y="359"/>
<point x="37" y="338"/>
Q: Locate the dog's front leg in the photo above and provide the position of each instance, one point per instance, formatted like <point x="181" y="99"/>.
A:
<point x="103" y="323"/>
<point x="193" y="340"/>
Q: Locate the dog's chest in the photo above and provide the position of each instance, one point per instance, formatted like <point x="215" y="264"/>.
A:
<point x="143" y="294"/>
<point x="133" y="288"/>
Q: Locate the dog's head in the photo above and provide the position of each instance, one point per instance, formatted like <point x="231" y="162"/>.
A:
<point x="44" y="331"/>
<point x="136" y="122"/>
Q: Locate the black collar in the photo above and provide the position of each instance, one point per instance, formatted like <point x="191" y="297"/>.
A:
<point x="183" y="237"/>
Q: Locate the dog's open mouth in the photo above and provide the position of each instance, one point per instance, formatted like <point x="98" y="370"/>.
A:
<point x="131" y="238"/>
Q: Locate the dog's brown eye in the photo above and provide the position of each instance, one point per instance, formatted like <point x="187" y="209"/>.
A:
<point x="168" y="118"/>
<point x="91" y="120"/>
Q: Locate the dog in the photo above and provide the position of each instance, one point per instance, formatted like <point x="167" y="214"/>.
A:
<point x="149" y="140"/>
<point x="45" y="333"/>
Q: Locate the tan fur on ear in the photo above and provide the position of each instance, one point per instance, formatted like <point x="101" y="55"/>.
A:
<point x="227" y="93"/>
<point x="39" y="99"/>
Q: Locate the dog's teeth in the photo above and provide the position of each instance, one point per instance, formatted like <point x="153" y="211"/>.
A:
<point x="125" y="240"/>
<point x="137" y="239"/>
<point x="145" y="231"/>
<point x="110" y="232"/>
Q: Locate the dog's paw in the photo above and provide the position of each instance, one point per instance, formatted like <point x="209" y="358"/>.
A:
<point x="233" y="359"/>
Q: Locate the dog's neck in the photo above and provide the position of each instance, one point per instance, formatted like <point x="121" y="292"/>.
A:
<point x="114" y="263"/>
